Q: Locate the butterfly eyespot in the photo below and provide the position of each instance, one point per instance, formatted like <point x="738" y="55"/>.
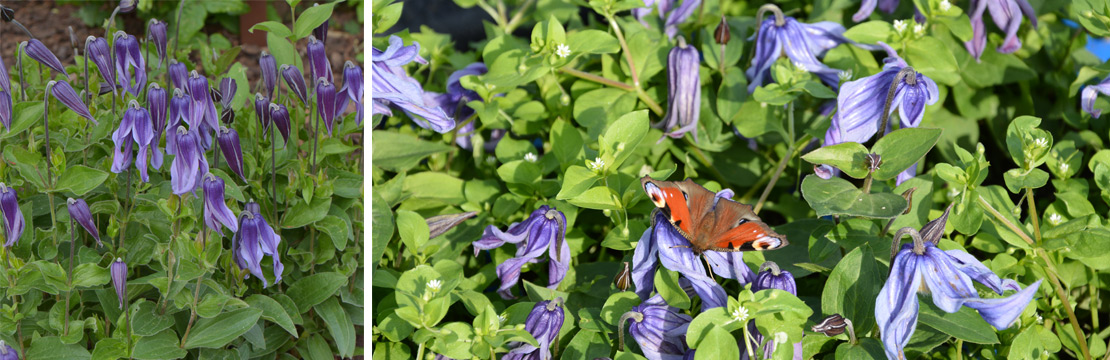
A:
<point x="656" y="195"/>
<point x="767" y="243"/>
<point x="685" y="196"/>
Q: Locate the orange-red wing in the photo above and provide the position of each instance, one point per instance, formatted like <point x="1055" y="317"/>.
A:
<point x="676" y="205"/>
<point x="748" y="236"/>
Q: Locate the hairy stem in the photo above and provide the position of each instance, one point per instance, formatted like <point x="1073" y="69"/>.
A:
<point x="69" y="293"/>
<point x="193" y="315"/>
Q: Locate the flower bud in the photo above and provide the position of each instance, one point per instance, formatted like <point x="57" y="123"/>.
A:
<point x="156" y="31"/>
<point x="268" y="65"/>
<point x="295" y="80"/>
<point x="119" y="280"/>
<point x="832" y="326"/>
<point x="13" y="216"/>
<point x="38" y="51"/>
<point x="233" y="153"/>
<point x="721" y="34"/>
<point x="79" y="211"/>
<point x="279" y="114"/>
<point x="624" y="278"/>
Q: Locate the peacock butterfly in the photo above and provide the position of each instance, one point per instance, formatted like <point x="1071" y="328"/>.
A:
<point x="708" y="221"/>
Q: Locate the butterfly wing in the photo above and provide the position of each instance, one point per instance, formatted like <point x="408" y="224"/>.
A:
<point x="685" y="203"/>
<point x="737" y="228"/>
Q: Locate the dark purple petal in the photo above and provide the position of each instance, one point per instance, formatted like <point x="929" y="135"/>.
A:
<point x="866" y="7"/>
<point x="295" y="80"/>
<point x="38" y="51"/>
<point x="156" y="31"/>
<point x="262" y="111"/>
<point x="644" y="261"/>
<point x="325" y="102"/>
<point x="203" y="109"/>
<point x="683" y="91"/>
<point x="661" y="329"/>
<point x="233" y="153"/>
<point x="318" y="59"/>
<point x="7" y="352"/>
<point x="180" y="110"/>
<point x="896" y="307"/>
<point x="227" y="92"/>
<point x="280" y="116"/>
<point x="122" y="138"/>
<point x="142" y="134"/>
<point x="250" y="250"/>
<point x="321" y="32"/>
<point x="13" y="217"/>
<point x="216" y="211"/>
<point x="6" y="109"/>
<point x="130" y="65"/>
<point x="269" y="72"/>
<point x="65" y="94"/>
<point x="79" y="211"/>
<point x="119" y="280"/>
<point x="179" y="75"/>
<point x="97" y="49"/>
<point x="186" y="163"/>
<point x="126" y="6"/>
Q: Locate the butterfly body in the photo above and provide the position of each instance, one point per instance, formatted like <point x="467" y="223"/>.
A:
<point x="708" y="221"/>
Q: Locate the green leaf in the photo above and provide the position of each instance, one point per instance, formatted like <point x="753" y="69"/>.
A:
<point x="336" y="229"/>
<point x="1028" y="145"/>
<point x="52" y="348"/>
<point x="870" y="32"/>
<point x="598" y="197"/>
<point x="413" y="229"/>
<point x="283" y="51"/>
<point x="965" y="324"/>
<point x="932" y="58"/>
<point x="852" y="288"/>
<point x="316" y="348"/>
<point x="587" y="345"/>
<point x="731" y="95"/>
<point x="837" y="196"/>
<point x="304" y="214"/>
<point x="314" y="289"/>
<point x="867" y="349"/>
<point x="81" y="179"/>
<point x="272" y="311"/>
<point x="1016" y="179"/>
<point x="849" y="157"/>
<point x="30" y="165"/>
<point x="25" y="115"/>
<point x="90" y="275"/>
<point x="221" y="330"/>
<point x="576" y="181"/>
<point x="903" y="148"/>
<point x="717" y="344"/>
<point x="666" y="284"/>
<point x="274" y="27"/>
<point x="109" y="349"/>
<point x="818" y="90"/>
<point x="339" y="325"/>
<point x="397" y="152"/>
<point x="147" y="321"/>
<point x="616" y="305"/>
<point x="622" y="137"/>
<point x="164" y="345"/>
<point x="1033" y="343"/>
<point x="311" y="19"/>
<point x="592" y="42"/>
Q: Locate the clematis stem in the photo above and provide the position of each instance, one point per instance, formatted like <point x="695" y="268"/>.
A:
<point x="597" y="78"/>
<point x="69" y="293"/>
<point x="177" y="28"/>
<point x="782" y="162"/>
<point x="19" y="52"/>
<point x="1050" y="268"/>
<point x="492" y="14"/>
<point x="910" y="76"/>
<point x="851" y="332"/>
<point x="766" y="175"/>
<point x="1033" y="215"/>
<point x="518" y="16"/>
<point x="620" y="329"/>
<point x="273" y="169"/>
<point x="624" y="49"/>
<point x="774" y="9"/>
<point x="193" y="315"/>
<point x="88" y="92"/>
<point x="959" y="349"/>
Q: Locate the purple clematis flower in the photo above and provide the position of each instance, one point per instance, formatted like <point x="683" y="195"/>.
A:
<point x="295" y="80"/>
<point x="6" y="104"/>
<point x="888" y="6"/>
<point x="13" y="217"/>
<point x="544" y="323"/>
<point x="119" y="280"/>
<point x="156" y="31"/>
<point x="227" y="92"/>
<point x="658" y="328"/>
<point x="180" y="113"/>
<point x="216" y="211"/>
<point x="189" y="164"/>
<point x="353" y="86"/>
<point x="254" y="239"/>
<point x="126" y="6"/>
<point x="321" y="32"/>
<point x="7" y="352"/>
<point x="262" y="111"/>
<point x="65" y="94"/>
<point x="1090" y="93"/>
<point x="391" y="86"/>
<point x="204" y="116"/>
<point x="802" y="43"/>
<point x="157" y="103"/>
<point x="179" y="75"/>
<point x="1007" y="14"/>
<point x="860" y="106"/>
<point x="672" y="15"/>
<point x="683" y="91"/>
<point x="454" y="100"/>
<point x="279" y="114"/>
<point x="38" y="51"/>
<point x="233" y="153"/>
<point x="97" y="49"/>
<point x="771" y="277"/>
<point x="325" y="102"/>
<point x="130" y="65"/>
<point x="268" y="65"/>
<point x="948" y="276"/>
<point x="135" y="128"/>
<point x="79" y="211"/>
<point x="318" y="60"/>
<point x="544" y="231"/>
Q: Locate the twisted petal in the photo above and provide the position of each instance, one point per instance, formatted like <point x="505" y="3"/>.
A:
<point x="390" y="85"/>
<point x="216" y="211"/>
<point x="866" y="7"/>
<point x="186" y="164"/>
<point x="233" y="152"/>
<point x="896" y="307"/>
<point x="1090" y="93"/>
<point x="952" y="288"/>
<point x="130" y="65"/>
<point x="38" y="51"/>
<point x="179" y="75"/>
<point x="978" y="40"/>
<point x="295" y="80"/>
<point x="767" y="50"/>
<point x="1000" y="313"/>
<point x="79" y="211"/>
<point x="13" y="217"/>
<point x="203" y="108"/>
<point x="1007" y="15"/>
<point x="678" y="16"/>
<point x="65" y="94"/>
<point x="142" y="133"/>
<point x="250" y="250"/>
<point x="122" y="139"/>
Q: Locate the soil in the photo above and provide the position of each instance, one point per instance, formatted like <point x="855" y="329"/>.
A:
<point x="48" y="21"/>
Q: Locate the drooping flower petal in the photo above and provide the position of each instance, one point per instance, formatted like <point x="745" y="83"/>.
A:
<point x="280" y="116"/>
<point x="13" y="217"/>
<point x="65" y="94"/>
<point x="227" y="91"/>
<point x="179" y="75"/>
<point x="130" y="64"/>
<point x="38" y="51"/>
<point x="156" y="32"/>
<point x="262" y="111"/>
<point x="295" y="80"/>
<point x="543" y="231"/>
<point x="391" y="86"/>
<point x="684" y="91"/>
<point x="79" y="211"/>
<point x="216" y="211"/>
<point x="660" y="330"/>
<point x="119" y="280"/>
<point x="233" y="152"/>
<point x="325" y="102"/>
<point x="268" y="64"/>
<point x="318" y="60"/>
<point x="157" y="104"/>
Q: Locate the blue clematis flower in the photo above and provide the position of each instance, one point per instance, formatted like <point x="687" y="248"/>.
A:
<point x="683" y="91"/>
<point x="134" y="129"/>
<point x="661" y="243"/>
<point x="268" y="64"/>
<point x="318" y="59"/>
<point x="255" y="239"/>
<point x="279" y="114"/>
<point x="204" y="118"/>
<point x="79" y="211"/>
<point x="130" y="65"/>
<point x="189" y="164"/>
<point x="119" y="280"/>
<point x="667" y="10"/>
<point x="1007" y="14"/>
<point x="179" y="75"/>
<point x="295" y="80"/>
<point x="544" y="231"/>
<point x="455" y="99"/>
<point x="156" y="32"/>
<point x="38" y="51"/>
<point x="658" y="328"/>
<point x="860" y="105"/>
<point x="64" y="93"/>
<point x="802" y="43"/>
<point x="948" y="276"/>
<point x="157" y="104"/>
<point x="1090" y="92"/>
<point x="216" y="212"/>
<point x="232" y="150"/>
<point x="544" y="323"/>
<point x="391" y="86"/>
<point x="13" y="217"/>
<point x="6" y="104"/>
<point x="771" y="277"/>
<point x="7" y="352"/>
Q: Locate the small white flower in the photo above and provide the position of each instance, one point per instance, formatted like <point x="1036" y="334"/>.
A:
<point x="919" y="29"/>
<point x="945" y="5"/>
<point x="1040" y="319"/>
<point x="801" y="67"/>
<point x="845" y="75"/>
<point x="1064" y="167"/>
<point x="900" y="25"/>
<point x="953" y="192"/>
<point x="530" y="157"/>
<point x="501" y="318"/>
<point x="596" y="165"/>
<point x="435" y="285"/>
<point x="1040" y="142"/>
<point x="740" y="314"/>
<point x="1055" y="219"/>
<point x="781" y="338"/>
<point x="562" y="50"/>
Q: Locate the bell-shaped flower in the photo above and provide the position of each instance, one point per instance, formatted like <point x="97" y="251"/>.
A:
<point x="119" y="280"/>
<point x="189" y="164"/>
<point x="683" y="91"/>
<point x="544" y="231"/>
<point x="866" y="7"/>
<point x="948" y="276"/>
<point x="180" y="113"/>
<point x="318" y="60"/>
<point x="255" y="239"/>
<point x="97" y="49"/>
<point x="216" y="212"/>
<point x="227" y="92"/>
<point x="230" y="147"/>
<point x="204" y="109"/>
<point x="64" y="93"/>
<point x="13" y="217"/>
<point x="295" y="80"/>
<point x="802" y="43"/>
<point x="158" y="104"/>
<point x="262" y="111"/>
<point x="7" y="352"/>
<point x="279" y="114"/>
<point x="1090" y="93"/>
<point x="6" y="104"/>
<point x="156" y="32"/>
<point x="771" y="277"/>
<point x="325" y="102"/>
<point x="353" y="86"/>
<point x="673" y="15"/>
<point x="662" y="243"/>
<point x="391" y="86"/>
<point x="451" y="102"/>
<point x="658" y="328"/>
<point x="1007" y="14"/>
<point x="179" y="75"/>
<point x="79" y="211"/>
<point x="135" y="128"/>
<point x="544" y="323"/>
<point x="268" y="66"/>
<point x="38" y="51"/>
<point x="860" y="104"/>
<point x="130" y="65"/>
<point x="126" y="6"/>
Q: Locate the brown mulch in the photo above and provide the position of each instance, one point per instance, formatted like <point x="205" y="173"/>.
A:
<point x="49" y="22"/>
